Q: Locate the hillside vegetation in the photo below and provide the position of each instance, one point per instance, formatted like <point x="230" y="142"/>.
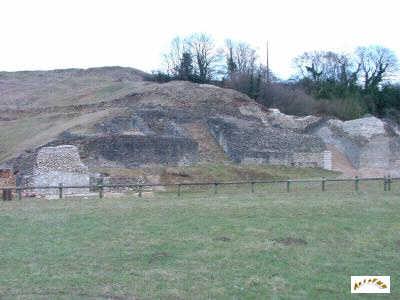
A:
<point x="344" y="85"/>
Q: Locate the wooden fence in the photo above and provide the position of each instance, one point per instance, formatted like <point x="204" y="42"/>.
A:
<point x="7" y="192"/>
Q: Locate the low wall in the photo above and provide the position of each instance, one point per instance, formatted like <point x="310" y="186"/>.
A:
<point x="252" y="142"/>
<point x="136" y="151"/>
<point x="305" y="159"/>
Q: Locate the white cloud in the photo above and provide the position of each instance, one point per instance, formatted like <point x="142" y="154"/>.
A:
<point x="47" y="34"/>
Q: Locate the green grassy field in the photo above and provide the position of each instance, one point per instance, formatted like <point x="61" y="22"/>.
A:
<point x="230" y="246"/>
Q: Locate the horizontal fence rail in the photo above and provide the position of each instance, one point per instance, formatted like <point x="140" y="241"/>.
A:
<point x="7" y="192"/>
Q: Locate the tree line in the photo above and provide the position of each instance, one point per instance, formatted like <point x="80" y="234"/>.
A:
<point x="345" y="85"/>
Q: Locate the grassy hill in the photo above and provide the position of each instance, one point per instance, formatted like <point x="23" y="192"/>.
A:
<point x="39" y="89"/>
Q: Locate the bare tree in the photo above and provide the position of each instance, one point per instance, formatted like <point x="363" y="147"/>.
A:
<point x="326" y="65"/>
<point x="193" y="58"/>
<point x="377" y="65"/>
<point x="309" y="65"/>
<point x="245" y="58"/>
<point x="243" y="71"/>
<point x="173" y="58"/>
<point x="240" y="57"/>
<point x="205" y="55"/>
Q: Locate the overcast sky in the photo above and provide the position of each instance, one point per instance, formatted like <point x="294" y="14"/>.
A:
<point x="49" y="34"/>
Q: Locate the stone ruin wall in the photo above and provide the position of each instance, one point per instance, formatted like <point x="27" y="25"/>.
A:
<point x="249" y="142"/>
<point x="124" y="150"/>
<point x="296" y="159"/>
<point x="375" y="154"/>
<point x="363" y="147"/>
<point x="313" y="160"/>
<point x="60" y="164"/>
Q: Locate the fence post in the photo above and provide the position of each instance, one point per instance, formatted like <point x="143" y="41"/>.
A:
<point x="60" y="190"/>
<point x="389" y="183"/>
<point x="384" y="184"/>
<point x="356" y="182"/>
<point x="140" y="190"/>
<point x="7" y="194"/>
<point x="179" y="190"/>
<point x="100" y="187"/>
<point x="323" y="184"/>
<point x="252" y="187"/>
<point x="288" y="186"/>
<point x="19" y="192"/>
<point x="215" y="188"/>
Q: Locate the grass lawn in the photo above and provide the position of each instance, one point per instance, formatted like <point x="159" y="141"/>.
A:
<point x="238" y="246"/>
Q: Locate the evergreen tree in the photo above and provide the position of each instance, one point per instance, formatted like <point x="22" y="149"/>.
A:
<point x="186" y="67"/>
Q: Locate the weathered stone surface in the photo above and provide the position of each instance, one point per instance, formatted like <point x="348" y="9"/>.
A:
<point x="360" y="128"/>
<point x="60" y="164"/>
<point x="61" y="158"/>
<point x="133" y="151"/>
<point x="274" y="118"/>
<point x="368" y="143"/>
<point x="126" y="150"/>
<point x="252" y="142"/>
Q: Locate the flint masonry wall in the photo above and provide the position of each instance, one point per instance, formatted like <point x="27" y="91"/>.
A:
<point x="295" y="159"/>
<point x="375" y="154"/>
<point x="319" y="159"/>
<point x="60" y="164"/>
<point x="252" y="142"/>
<point x="138" y="150"/>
